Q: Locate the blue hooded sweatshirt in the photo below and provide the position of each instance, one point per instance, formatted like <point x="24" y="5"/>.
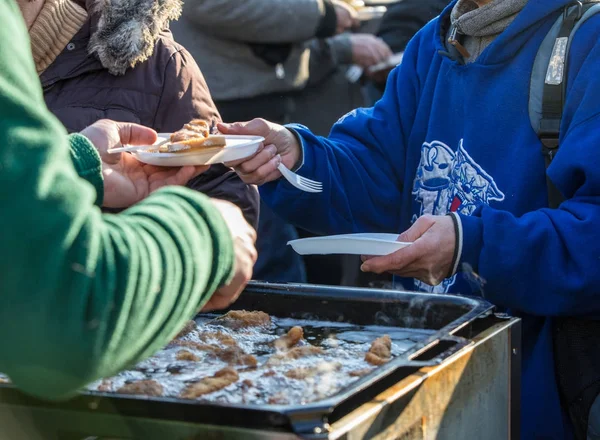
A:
<point x="448" y="137"/>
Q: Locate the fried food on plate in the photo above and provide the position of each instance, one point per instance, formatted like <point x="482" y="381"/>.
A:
<point x="238" y="319"/>
<point x="142" y="387"/>
<point x="287" y="341"/>
<point x="380" y="351"/>
<point x="194" y="136"/>
<point x="222" y="379"/>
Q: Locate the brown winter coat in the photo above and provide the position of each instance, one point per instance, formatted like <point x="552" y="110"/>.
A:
<point x="144" y="78"/>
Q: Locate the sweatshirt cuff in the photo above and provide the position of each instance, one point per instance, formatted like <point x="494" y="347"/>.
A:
<point x="87" y="163"/>
<point x="328" y="24"/>
<point x="341" y="49"/>
<point x="469" y="240"/>
<point x="300" y="162"/>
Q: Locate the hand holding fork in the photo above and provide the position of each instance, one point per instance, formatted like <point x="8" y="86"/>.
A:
<point x="281" y="152"/>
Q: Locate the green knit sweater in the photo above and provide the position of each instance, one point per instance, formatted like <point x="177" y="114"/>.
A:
<point x="82" y="294"/>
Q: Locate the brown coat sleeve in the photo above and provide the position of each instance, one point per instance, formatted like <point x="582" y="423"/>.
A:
<point x="185" y="96"/>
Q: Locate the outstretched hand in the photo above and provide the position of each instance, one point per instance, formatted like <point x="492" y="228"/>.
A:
<point x="126" y="180"/>
<point x="429" y="258"/>
<point x="280" y="146"/>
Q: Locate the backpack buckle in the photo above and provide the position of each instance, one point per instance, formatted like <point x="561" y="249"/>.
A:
<point x="579" y="5"/>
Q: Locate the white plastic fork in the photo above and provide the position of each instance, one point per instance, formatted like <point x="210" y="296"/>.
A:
<point x="302" y="183"/>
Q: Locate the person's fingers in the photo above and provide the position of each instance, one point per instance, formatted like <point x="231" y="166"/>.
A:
<point x="393" y="262"/>
<point x="259" y="177"/>
<point x="260" y="159"/>
<point x="237" y="163"/>
<point x="272" y="177"/>
<point x="421" y="226"/>
<point x="113" y="158"/>
<point x="258" y="127"/>
<point x="183" y="176"/>
<point x="383" y="49"/>
<point x="200" y="169"/>
<point x="134" y="134"/>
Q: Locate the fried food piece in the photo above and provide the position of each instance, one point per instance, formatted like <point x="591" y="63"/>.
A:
<point x="185" y="355"/>
<point x="231" y="355"/>
<point x="294" y="353"/>
<point x="380" y="351"/>
<point x="306" y="350"/>
<point x="222" y="379"/>
<point x="269" y="373"/>
<point x="194" y="135"/>
<point x="195" y="345"/>
<point x="360" y="373"/>
<point x="189" y="327"/>
<point x="302" y="373"/>
<point x="223" y="338"/>
<point x="236" y="356"/>
<point x="238" y="319"/>
<point x="278" y="399"/>
<point x="293" y="336"/>
<point x="105" y="386"/>
<point x="193" y="128"/>
<point x="143" y="388"/>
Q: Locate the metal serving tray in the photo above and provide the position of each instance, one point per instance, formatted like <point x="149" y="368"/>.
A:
<point x="445" y="314"/>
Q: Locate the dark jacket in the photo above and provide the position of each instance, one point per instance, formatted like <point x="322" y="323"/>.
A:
<point x="151" y="81"/>
<point x="404" y="19"/>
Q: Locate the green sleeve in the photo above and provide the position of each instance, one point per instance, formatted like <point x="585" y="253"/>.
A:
<point x="86" y="161"/>
<point x="82" y="294"/>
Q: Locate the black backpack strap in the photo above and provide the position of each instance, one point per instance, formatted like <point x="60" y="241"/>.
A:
<point x="547" y="97"/>
<point x="553" y="96"/>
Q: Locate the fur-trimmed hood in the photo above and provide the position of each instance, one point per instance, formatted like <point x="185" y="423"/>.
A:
<point x="124" y="32"/>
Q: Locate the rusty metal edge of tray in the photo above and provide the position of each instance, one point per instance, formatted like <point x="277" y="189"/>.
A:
<point x="304" y="420"/>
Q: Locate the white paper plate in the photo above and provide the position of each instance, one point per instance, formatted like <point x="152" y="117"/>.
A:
<point x="238" y="147"/>
<point x="371" y="13"/>
<point x="350" y="244"/>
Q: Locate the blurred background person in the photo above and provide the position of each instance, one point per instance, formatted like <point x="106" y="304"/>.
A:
<point x="93" y="67"/>
<point x="399" y="24"/>
<point x="262" y="58"/>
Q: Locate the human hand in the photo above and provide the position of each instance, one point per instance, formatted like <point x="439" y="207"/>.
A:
<point x="106" y="134"/>
<point x="347" y="17"/>
<point x="280" y="146"/>
<point x="428" y="258"/>
<point x="130" y="181"/>
<point x="244" y="238"/>
<point x="368" y="50"/>
<point x="127" y="181"/>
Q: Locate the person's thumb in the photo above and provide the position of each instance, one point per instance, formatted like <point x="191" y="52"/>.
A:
<point x="256" y="127"/>
<point x="134" y="134"/>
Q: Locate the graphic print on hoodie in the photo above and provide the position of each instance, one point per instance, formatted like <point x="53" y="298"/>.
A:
<point x="450" y="181"/>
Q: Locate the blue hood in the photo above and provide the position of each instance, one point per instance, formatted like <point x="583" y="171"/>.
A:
<point x="509" y="42"/>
